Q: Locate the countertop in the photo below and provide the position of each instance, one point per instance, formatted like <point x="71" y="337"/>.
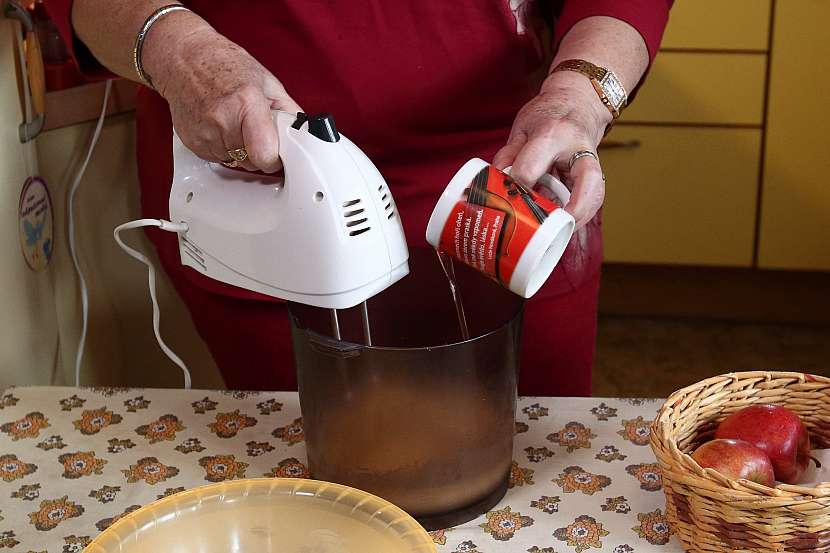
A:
<point x="72" y="461"/>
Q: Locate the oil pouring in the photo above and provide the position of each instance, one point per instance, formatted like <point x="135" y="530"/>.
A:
<point x="504" y="230"/>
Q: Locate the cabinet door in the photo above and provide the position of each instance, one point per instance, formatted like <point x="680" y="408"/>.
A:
<point x="718" y="25"/>
<point x="795" y="209"/>
<point x="683" y="196"/>
<point x="29" y="338"/>
<point x="697" y="88"/>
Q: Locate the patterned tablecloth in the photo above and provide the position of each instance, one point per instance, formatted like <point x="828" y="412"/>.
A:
<point x="72" y="461"/>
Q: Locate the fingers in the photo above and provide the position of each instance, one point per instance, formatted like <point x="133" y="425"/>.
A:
<point x="507" y="155"/>
<point x="279" y="98"/>
<point x="550" y="143"/>
<point x="231" y="139"/>
<point x="241" y="121"/>
<point x="258" y="132"/>
<point x="553" y="189"/>
<point x="204" y="141"/>
<point x="536" y="157"/>
<point x="260" y="137"/>
<point x="542" y="154"/>
<point x="287" y="104"/>
<point x="588" y="191"/>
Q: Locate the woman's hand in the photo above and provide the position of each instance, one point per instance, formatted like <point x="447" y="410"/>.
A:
<point x="565" y="117"/>
<point x="220" y="97"/>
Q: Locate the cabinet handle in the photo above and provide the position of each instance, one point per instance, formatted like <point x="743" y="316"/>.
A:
<point x="35" y="74"/>
<point x="619" y="144"/>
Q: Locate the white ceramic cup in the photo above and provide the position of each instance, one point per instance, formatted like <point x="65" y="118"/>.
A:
<point x="490" y="222"/>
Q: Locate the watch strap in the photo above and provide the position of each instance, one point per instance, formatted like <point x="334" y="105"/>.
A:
<point x="597" y="75"/>
<point x="581" y="66"/>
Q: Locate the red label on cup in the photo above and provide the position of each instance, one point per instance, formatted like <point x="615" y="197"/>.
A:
<point x="489" y="228"/>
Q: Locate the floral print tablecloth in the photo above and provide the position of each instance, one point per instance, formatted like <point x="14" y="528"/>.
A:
<point x="73" y="461"/>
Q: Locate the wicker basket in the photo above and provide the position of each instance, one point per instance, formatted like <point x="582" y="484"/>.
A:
<point x="711" y="513"/>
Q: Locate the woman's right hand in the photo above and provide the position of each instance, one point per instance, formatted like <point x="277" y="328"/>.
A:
<point x="220" y="96"/>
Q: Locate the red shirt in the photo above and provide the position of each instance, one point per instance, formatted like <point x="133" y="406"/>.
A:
<point x="420" y="86"/>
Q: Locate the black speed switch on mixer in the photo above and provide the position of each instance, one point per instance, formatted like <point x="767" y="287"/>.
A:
<point x="322" y="126"/>
<point x="298" y="122"/>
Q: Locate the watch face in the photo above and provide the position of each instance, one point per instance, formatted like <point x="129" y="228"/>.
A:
<point x="614" y="90"/>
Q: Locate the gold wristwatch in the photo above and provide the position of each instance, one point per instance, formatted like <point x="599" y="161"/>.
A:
<point x="608" y="86"/>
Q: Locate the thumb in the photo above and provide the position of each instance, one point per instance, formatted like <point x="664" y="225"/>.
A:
<point x="280" y="99"/>
<point x="287" y="104"/>
<point x="588" y="191"/>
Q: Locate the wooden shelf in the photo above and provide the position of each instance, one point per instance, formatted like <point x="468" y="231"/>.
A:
<point x="83" y="103"/>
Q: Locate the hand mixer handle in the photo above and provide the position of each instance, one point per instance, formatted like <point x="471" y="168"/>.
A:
<point x="320" y="126"/>
<point x="303" y="128"/>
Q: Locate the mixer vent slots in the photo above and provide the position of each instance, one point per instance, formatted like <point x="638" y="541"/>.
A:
<point x="355" y="216"/>
<point x="386" y="198"/>
<point x="193" y="252"/>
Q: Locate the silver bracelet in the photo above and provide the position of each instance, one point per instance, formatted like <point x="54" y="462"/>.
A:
<point x="142" y="34"/>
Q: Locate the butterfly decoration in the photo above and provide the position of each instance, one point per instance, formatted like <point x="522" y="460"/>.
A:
<point x="33" y="232"/>
<point x="47" y="248"/>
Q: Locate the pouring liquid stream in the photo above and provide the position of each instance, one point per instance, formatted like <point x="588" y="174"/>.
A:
<point x="449" y="270"/>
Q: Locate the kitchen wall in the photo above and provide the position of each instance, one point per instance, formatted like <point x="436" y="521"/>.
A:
<point x="29" y="342"/>
<point x="40" y="316"/>
<point x="121" y="348"/>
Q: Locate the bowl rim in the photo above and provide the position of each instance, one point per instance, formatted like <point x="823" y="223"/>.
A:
<point x="421" y="541"/>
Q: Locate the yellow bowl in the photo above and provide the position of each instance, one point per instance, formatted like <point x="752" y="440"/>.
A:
<point x="266" y="515"/>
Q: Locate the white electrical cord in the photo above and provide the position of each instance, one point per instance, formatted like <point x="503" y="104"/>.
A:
<point x="73" y="248"/>
<point x="171" y="227"/>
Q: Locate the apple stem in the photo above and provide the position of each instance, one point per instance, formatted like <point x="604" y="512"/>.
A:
<point x="816" y="461"/>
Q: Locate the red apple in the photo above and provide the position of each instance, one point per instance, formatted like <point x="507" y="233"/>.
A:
<point x="736" y="459"/>
<point x="775" y="430"/>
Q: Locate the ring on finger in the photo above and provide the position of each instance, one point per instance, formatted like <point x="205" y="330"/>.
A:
<point x="579" y="154"/>
<point x="238" y="154"/>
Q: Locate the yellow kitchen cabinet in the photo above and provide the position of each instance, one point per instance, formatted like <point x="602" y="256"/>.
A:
<point x="682" y="196"/>
<point x="718" y="25"/>
<point x="795" y="210"/>
<point x="702" y="88"/>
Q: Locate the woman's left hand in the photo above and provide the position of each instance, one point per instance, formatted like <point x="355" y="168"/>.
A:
<point x="565" y="117"/>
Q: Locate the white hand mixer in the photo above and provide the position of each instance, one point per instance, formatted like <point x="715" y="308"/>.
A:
<point x="326" y="234"/>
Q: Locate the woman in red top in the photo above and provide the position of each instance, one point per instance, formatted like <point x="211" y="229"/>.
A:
<point x="420" y="86"/>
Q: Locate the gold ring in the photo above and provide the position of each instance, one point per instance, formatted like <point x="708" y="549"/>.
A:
<point x="238" y="154"/>
<point x="579" y="154"/>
